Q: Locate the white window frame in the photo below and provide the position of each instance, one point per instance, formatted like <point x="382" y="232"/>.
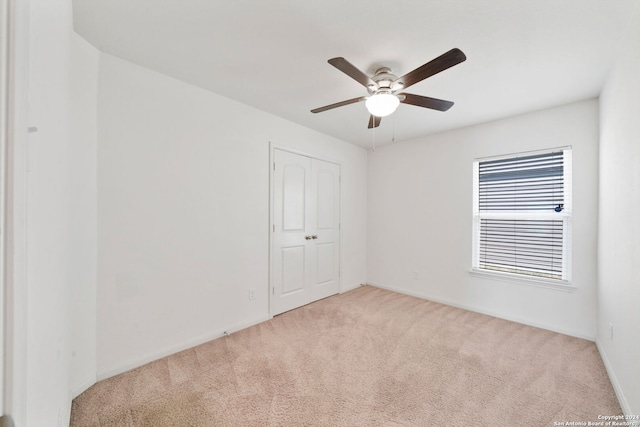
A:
<point x="566" y="216"/>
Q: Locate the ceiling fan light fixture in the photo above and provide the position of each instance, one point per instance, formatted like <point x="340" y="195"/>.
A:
<point x="382" y="104"/>
<point x="387" y="91"/>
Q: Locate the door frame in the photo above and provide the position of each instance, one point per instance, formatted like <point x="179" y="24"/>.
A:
<point x="14" y="77"/>
<point x="275" y="146"/>
<point x="14" y="61"/>
<point x="5" y="109"/>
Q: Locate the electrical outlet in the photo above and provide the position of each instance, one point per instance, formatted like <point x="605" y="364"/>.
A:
<point x="252" y="294"/>
<point x="416" y="275"/>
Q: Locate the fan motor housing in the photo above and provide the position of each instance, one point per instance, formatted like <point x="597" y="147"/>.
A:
<point x="385" y="81"/>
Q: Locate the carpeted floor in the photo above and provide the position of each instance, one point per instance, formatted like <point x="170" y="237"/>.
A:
<point x="368" y="357"/>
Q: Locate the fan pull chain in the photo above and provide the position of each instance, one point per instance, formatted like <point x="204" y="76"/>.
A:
<point x="373" y="139"/>
<point x="393" y="134"/>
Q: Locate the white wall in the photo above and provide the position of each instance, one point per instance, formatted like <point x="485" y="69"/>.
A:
<point x="619" y="224"/>
<point x="60" y="214"/>
<point x="420" y="217"/>
<point x="183" y="208"/>
<point x="82" y="185"/>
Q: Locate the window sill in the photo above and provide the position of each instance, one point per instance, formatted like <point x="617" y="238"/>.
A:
<point x="559" y="285"/>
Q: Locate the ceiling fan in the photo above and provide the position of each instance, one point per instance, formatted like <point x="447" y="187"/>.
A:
<point x="386" y="90"/>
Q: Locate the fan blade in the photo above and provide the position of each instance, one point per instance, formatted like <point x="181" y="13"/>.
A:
<point x="426" y="102"/>
<point x="441" y="63"/>
<point x="374" y="121"/>
<point x="351" y="71"/>
<point x="338" y="104"/>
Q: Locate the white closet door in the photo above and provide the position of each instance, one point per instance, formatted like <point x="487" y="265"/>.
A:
<point x="305" y="250"/>
<point x="325" y="226"/>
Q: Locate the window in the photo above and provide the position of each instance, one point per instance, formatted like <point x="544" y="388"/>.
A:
<point x="522" y="215"/>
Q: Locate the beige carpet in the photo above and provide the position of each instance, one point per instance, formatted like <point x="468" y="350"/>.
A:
<point x="368" y="357"/>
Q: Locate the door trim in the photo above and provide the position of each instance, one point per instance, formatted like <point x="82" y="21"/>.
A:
<point x="6" y="108"/>
<point x="14" y="77"/>
<point x="275" y="146"/>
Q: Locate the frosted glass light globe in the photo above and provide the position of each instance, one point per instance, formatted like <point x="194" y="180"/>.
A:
<point x="382" y="104"/>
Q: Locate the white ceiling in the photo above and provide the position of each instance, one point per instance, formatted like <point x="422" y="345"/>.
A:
<point x="522" y="55"/>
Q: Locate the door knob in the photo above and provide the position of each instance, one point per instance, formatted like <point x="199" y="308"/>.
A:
<point x="308" y="237"/>
<point x="314" y="237"/>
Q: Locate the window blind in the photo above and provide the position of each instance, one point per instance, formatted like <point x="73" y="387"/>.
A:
<point x="520" y="227"/>
<point x="532" y="182"/>
<point x="531" y="247"/>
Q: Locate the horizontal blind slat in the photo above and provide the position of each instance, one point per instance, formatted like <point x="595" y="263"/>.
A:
<point x="531" y="183"/>
<point x="531" y="246"/>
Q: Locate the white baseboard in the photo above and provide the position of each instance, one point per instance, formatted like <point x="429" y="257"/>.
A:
<point x="350" y="288"/>
<point x="139" y="361"/>
<point x="143" y="360"/>
<point x="76" y="390"/>
<point x="80" y="387"/>
<point x="624" y="404"/>
<point x="64" y="415"/>
<point x="552" y="328"/>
